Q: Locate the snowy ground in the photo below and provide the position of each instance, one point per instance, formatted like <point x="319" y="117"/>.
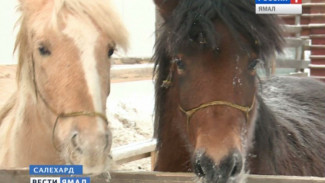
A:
<point x="130" y="112"/>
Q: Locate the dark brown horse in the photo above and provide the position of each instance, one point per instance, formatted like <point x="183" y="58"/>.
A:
<point x="213" y="115"/>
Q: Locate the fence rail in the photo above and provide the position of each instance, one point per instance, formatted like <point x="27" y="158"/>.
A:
<point x="22" y="176"/>
<point x="134" y="151"/>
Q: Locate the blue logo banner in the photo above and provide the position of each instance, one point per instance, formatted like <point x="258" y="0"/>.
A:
<point x="55" y="170"/>
<point x="272" y="1"/>
<point x="75" y="180"/>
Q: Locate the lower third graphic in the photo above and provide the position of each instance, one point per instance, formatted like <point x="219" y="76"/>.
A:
<point x="60" y="180"/>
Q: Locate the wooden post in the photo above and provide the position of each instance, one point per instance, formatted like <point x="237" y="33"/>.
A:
<point x="153" y="160"/>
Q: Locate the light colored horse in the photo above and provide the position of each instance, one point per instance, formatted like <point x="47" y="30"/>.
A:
<point x="57" y="114"/>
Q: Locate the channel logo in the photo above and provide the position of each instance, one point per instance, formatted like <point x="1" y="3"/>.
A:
<point x="50" y="173"/>
<point x="60" y="180"/>
<point x="278" y="6"/>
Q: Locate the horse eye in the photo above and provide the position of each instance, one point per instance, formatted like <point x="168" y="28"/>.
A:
<point x="44" y="51"/>
<point x="180" y="64"/>
<point x="253" y="63"/>
<point x="110" y="52"/>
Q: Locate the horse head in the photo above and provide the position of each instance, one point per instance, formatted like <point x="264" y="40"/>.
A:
<point x="65" y="49"/>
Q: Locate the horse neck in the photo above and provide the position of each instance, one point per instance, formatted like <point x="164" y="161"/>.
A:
<point x="265" y="141"/>
<point x="279" y="146"/>
<point x="34" y="111"/>
<point x="173" y="152"/>
<point x="30" y="107"/>
<point x="27" y="129"/>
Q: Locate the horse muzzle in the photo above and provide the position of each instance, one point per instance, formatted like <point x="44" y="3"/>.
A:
<point x="228" y="170"/>
<point x="91" y="151"/>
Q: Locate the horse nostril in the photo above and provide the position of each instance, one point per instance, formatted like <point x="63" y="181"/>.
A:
<point x="74" y="142"/>
<point x="237" y="166"/>
<point x="198" y="168"/>
<point x="234" y="171"/>
<point x="106" y="141"/>
<point x="202" y="164"/>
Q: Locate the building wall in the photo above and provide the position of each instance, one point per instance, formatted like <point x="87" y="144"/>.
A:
<point x="8" y="18"/>
<point x="137" y="15"/>
<point x="139" y="18"/>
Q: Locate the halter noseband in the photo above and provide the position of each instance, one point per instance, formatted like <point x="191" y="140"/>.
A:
<point x="63" y="115"/>
<point x="189" y="113"/>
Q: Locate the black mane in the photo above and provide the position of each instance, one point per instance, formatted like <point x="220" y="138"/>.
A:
<point x="192" y="17"/>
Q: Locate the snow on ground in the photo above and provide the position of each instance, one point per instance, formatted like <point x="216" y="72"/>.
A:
<point x="130" y="107"/>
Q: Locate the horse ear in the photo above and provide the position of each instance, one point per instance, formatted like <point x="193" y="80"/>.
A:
<point x="166" y="7"/>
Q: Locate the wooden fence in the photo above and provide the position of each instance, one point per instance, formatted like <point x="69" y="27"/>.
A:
<point x="22" y="176"/>
<point x="310" y="25"/>
<point x="141" y="150"/>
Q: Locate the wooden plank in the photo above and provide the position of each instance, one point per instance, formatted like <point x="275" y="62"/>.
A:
<point x="317" y="57"/>
<point x="314" y="47"/>
<point x="318" y="77"/>
<point x="151" y="177"/>
<point x="313" y="15"/>
<point x="134" y="151"/>
<point x="317" y="36"/>
<point x="291" y="28"/>
<point x="303" y="16"/>
<point x="316" y="66"/>
<point x="22" y="176"/>
<point x="131" y="60"/>
<point x="283" y="179"/>
<point x="313" y="36"/>
<point x="296" y="28"/>
<point x="13" y="176"/>
<point x="312" y="4"/>
<point x="133" y="158"/>
<point x="295" y="42"/>
<point x="299" y="74"/>
<point x="310" y="26"/>
<point x="122" y="72"/>
<point x="290" y="63"/>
